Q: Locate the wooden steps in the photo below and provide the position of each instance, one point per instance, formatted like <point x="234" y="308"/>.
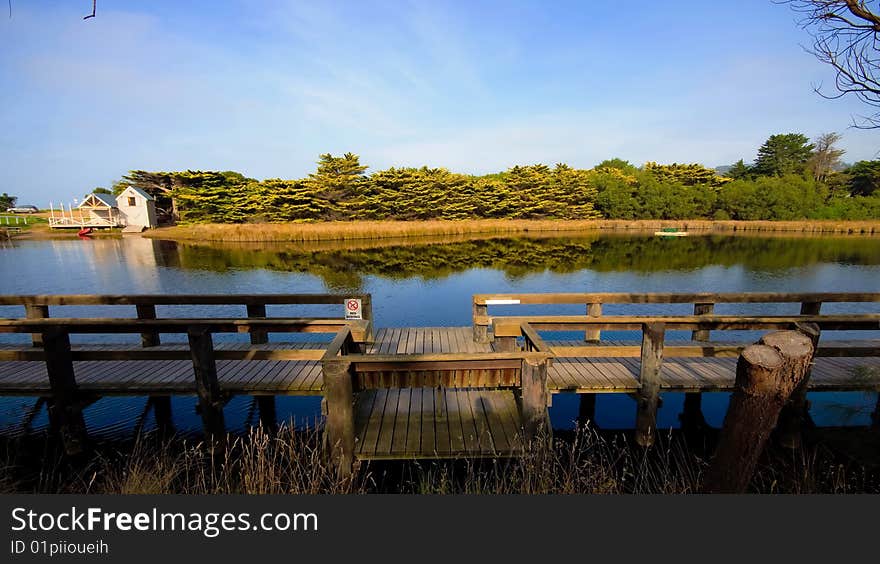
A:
<point x="403" y="423"/>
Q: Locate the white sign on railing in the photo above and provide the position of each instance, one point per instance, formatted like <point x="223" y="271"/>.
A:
<point x="353" y="308"/>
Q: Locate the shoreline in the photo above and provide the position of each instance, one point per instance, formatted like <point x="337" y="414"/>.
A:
<point x="365" y="230"/>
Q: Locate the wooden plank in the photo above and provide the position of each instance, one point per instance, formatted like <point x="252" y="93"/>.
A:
<point x="339" y="423"/>
<point x="363" y="414"/>
<point x="180" y="299"/>
<point x="401" y="422"/>
<point x="485" y="441"/>
<point x="386" y="429"/>
<point x="414" y="432"/>
<point x="429" y="435"/>
<point x="459" y="421"/>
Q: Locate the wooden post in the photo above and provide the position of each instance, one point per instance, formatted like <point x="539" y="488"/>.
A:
<point x="796" y="411"/>
<point x="339" y="427"/>
<point x="505" y="344"/>
<point x="205" y="368"/>
<point x="702" y="309"/>
<point x="692" y="421"/>
<point x="148" y="311"/>
<point x="367" y="314"/>
<point x="162" y="414"/>
<point x="533" y="399"/>
<point x="593" y="335"/>
<point x="648" y="396"/>
<point x="268" y="416"/>
<point x="481" y="332"/>
<point x="258" y="310"/>
<point x="765" y="378"/>
<point x="586" y="410"/>
<point x="65" y="409"/>
<point x="32" y="311"/>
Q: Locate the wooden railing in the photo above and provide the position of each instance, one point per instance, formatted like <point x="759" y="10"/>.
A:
<point x="57" y="353"/>
<point x="704" y="304"/>
<point x="348" y="371"/>
<point x="37" y="306"/>
<point x="653" y="348"/>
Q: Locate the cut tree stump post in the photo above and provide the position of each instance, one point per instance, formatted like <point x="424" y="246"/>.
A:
<point x="36" y="312"/>
<point x="339" y="427"/>
<point x="648" y="396"/>
<point x="148" y="311"/>
<point x="593" y="335"/>
<point x="65" y="409"/>
<point x="533" y="399"/>
<point x="795" y="413"/>
<point x="208" y="388"/>
<point x="257" y="310"/>
<point x="766" y="376"/>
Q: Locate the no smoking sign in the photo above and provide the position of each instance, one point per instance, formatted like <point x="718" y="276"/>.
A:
<point x="353" y="308"/>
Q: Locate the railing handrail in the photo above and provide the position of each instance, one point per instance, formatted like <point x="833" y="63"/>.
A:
<point x="176" y="299"/>
<point x="512" y="325"/>
<point x="177" y="325"/>
<point x="675" y="298"/>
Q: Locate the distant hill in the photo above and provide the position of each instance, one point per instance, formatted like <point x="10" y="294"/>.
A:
<point x="723" y="169"/>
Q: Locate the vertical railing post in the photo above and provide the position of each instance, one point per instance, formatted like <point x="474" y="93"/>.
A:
<point x="34" y="311"/>
<point x="339" y="426"/>
<point x="593" y="335"/>
<point x="533" y="399"/>
<point x="65" y="411"/>
<point x="693" y="423"/>
<point x="481" y="331"/>
<point x="149" y="338"/>
<point x="648" y="396"/>
<point x="367" y="314"/>
<point x="207" y="386"/>
<point x="257" y="310"/>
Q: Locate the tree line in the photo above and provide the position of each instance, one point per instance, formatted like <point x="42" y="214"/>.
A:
<point x="791" y="179"/>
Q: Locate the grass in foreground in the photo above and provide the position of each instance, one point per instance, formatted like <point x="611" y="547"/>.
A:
<point x="295" y="232"/>
<point x="292" y="462"/>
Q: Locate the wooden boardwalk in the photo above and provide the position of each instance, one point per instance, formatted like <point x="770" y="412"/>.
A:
<point x="395" y="423"/>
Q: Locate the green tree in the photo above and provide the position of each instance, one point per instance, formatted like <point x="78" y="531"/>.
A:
<point x="739" y="170"/>
<point x="7" y="201"/>
<point x="617" y="163"/>
<point x="101" y="190"/>
<point x="338" y="181"/>
<point x="864" y="178"/>
<point x="826" y="157"/>
<point x="781" y="154"/>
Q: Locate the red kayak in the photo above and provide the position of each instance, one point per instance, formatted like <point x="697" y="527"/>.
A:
<point x="85" y="231"/>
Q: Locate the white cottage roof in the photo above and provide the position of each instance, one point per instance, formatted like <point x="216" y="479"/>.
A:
<point x="137" y="191"/>
<point x="98" y="200"/>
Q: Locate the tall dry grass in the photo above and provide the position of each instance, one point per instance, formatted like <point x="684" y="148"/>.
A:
<point x="292" y="462"/>
<point x="298" y="232"/>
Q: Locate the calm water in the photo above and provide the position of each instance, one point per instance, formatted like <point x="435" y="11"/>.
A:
<point x="430" y="283"/>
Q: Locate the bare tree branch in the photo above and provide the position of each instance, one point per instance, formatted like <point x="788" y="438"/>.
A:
<point x="846" y="36"/>
<point x="94" y="9"/>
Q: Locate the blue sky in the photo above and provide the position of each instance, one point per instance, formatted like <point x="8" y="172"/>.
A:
<point x="265" y="87"/>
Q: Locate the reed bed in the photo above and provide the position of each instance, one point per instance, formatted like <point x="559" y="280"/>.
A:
<point x="299" y="232"/>
<point x="292" y="462"/>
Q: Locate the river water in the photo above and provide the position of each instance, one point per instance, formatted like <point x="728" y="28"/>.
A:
<point x="425" y="282"/>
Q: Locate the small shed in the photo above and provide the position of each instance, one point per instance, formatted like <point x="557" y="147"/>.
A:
<point x="101" y="210"/>
<point x="138" y="209"/>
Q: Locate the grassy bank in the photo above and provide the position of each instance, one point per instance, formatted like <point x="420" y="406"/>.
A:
<point x="294" y="232"/>
<point x="292" y="463"/>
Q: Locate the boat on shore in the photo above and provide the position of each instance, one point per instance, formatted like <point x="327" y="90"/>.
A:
<point x="671" y="232"/>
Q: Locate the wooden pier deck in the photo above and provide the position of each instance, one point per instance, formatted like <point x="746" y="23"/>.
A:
<point x="411" y="392"/>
